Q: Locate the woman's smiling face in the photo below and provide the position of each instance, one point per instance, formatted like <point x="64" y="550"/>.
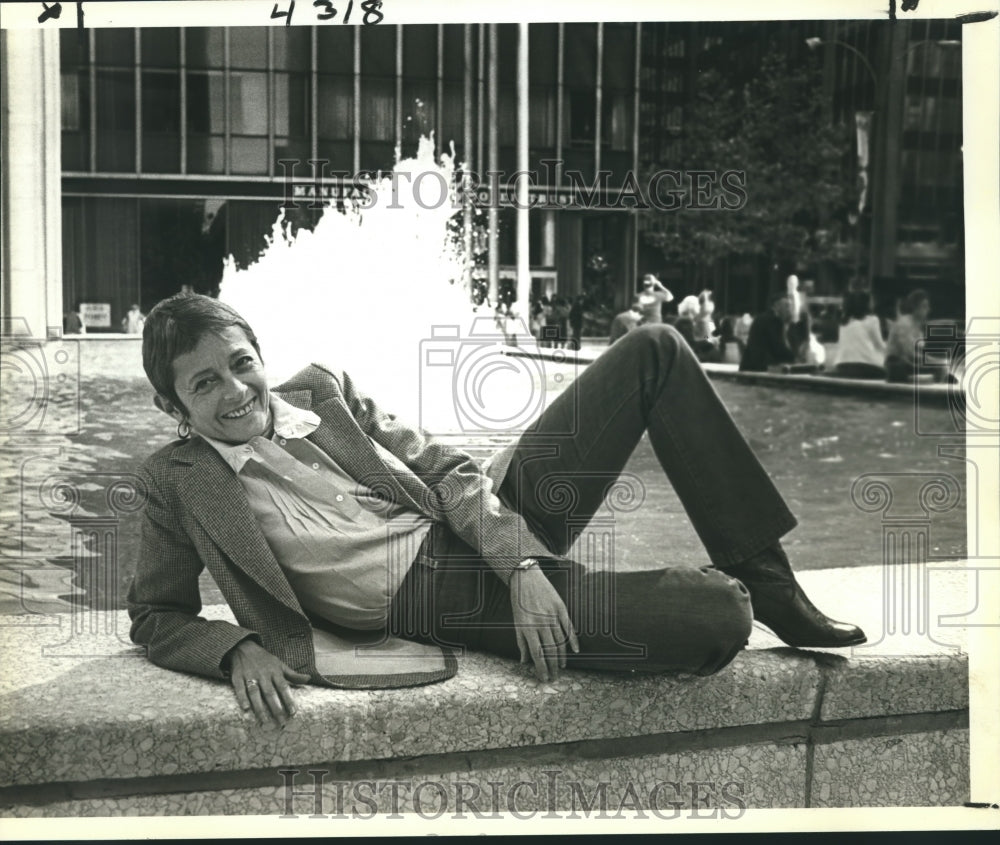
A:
<point x="223" y="386"/>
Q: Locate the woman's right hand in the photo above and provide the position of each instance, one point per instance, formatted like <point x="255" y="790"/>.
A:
<point x="261" y="683"/>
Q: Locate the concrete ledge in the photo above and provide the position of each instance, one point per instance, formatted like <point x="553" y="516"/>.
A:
<point x="88" y="726"/>
<point x="929" y="394"/>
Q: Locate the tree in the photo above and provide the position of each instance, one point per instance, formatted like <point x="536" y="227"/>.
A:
<point x="769" y="123"/>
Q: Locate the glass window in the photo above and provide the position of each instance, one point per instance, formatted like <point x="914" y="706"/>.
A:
<point x="182" y="242"/>
<point x="452" y="117"/>
<point x="294" y="149"/>
<point x="419" y="109"/>
<point x="248" y="103"/>
<point x="378" y="115"/>
<point x="454" y="50"/>
<point x="506" y="116"/>
<point x="543" y="52"/>
<point x="249" y="155"/>
<point x="616" y="122"/>
<point x="115" y="120"/>
<point x="619" y="56"/>
<point x="580" y="54"/>
<point x="582" y="115"/>
<point x="206" y="109"/>
<point x="206" y="154"/>
<point x="161" y="153"/>
<point x="339" y="154"/>
<point x="506" y="53"/>
<point x="291" y="105"/>
<point x="378" y="50"/>
<point x="204" y="48"/>
<point x="248" y="47"/>
<point x="74" y="48"/>
<point x="115" y="46"/>
<point x="161" y="101"/>
<point x="292" y="48"/>
<point x="335" y="107"/>
<point x="161" y="122"/>
<point x="72" y="106"/>
<point x="542" y="117"/>
<point x="76" y="120"/>
<point x="420" y="51"/>
<point x="161" y="47"/>
<point x="335" y="49"/>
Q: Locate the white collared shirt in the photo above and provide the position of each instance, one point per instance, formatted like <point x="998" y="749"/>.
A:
<point x="344" y="550"/>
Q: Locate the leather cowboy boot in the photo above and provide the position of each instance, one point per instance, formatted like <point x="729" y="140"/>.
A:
<point x="780" y="603"/>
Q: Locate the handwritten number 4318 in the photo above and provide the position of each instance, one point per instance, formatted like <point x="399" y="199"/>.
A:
<point x="327" y="12"/>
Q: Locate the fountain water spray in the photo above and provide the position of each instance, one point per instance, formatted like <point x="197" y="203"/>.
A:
<point x="366" y="286"/>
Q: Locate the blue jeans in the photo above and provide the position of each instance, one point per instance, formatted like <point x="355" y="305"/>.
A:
<point x="666" y="619"/>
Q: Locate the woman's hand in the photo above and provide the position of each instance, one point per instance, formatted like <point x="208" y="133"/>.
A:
<point x="261" y="683"/>
<point x="541" y="622"/>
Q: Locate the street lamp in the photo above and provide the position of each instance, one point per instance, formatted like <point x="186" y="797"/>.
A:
<point x="863" y="122"/>
<point x="816" y="42"/>
<point x="869" y="124"/>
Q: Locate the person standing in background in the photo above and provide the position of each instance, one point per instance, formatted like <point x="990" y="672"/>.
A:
<point x="132" y="322"/>
<point x="73" y="322"/>
<point x="651" y="299"/>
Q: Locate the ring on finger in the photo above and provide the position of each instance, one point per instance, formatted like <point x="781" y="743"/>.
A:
<point x="253" y="683"/>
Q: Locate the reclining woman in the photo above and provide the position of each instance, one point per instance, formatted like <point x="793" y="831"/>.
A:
<point x="329" y="525"/>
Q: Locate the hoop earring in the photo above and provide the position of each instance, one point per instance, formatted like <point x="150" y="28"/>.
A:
<point x="183" y="429"/>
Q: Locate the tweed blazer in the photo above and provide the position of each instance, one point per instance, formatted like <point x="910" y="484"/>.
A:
<point x="198" y="516"/>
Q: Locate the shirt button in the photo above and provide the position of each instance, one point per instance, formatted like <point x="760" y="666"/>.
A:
<point x="283" y="442"/>
<point x="315" y="466"/>
<point x="340" y="498"/>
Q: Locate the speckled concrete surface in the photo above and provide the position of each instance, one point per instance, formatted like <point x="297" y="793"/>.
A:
<point x="912" y="770"/>
<point x="711" y="784"/>
<point x="82" y="718"/>
<point x="108" y="713"/>
<point x="879" y="686"/>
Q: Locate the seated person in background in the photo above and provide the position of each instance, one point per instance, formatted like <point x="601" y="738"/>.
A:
<point x="730" y="346"/>
<point x="623" y="323"/>
<point x="905" y="333"/>
<point x="691" y="323"/>
<point x="768" y="343"/>
<point x="651" y="299"/>
<point x="861" y="350"/>
<point x="741" y="331"/>
<point x="706" y="336"/>
<point x="704" y="325"/>
<point x="687" y="313"/>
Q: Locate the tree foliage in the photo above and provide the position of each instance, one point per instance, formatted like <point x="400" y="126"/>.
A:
<point x="770" y="123"/>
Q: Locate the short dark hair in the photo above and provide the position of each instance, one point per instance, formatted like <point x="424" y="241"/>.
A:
<point x="913" y="300"/>
<point x="176" y="326"/>
<point x="857" y="305"/>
